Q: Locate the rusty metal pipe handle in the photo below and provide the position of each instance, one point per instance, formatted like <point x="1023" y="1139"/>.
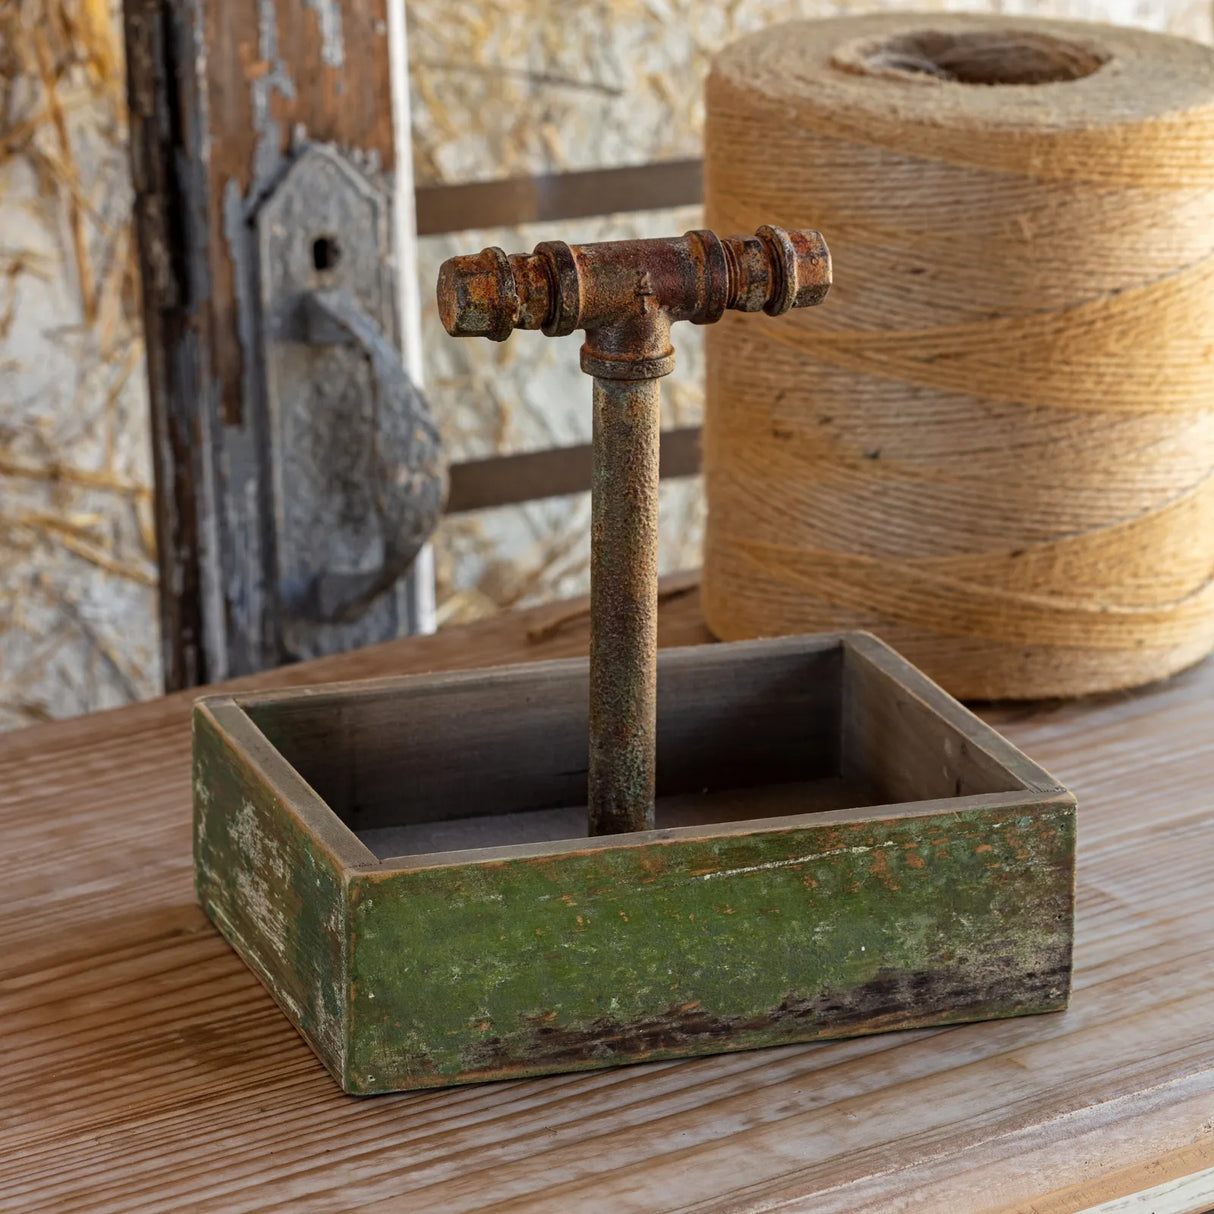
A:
<point x="559" y="288"/>
<point x="411" y="477"/>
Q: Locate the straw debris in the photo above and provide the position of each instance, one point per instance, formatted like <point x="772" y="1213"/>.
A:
<point x="77" y="557"/>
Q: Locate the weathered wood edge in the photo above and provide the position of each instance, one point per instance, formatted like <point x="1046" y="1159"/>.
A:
<point x="885" y="660"/>
<point x="222" y="99"/>
<point x="222" y="727"/>
<point x="302" y="799"/>
<point x="669" y="656"/>
<point x="993" y="802"/>
<point x="1020" y="769"/>
<point x="298" y="797"/>
<point x="159" y="108"/>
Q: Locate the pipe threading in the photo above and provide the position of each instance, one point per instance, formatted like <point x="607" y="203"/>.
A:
<point x="995" y="446"/>
<point x="734" y="270"/>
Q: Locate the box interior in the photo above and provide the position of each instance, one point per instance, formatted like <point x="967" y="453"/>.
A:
<point x="745" y="732"/>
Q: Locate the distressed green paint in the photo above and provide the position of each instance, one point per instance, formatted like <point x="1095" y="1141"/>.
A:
<point x="274" y="891"/>
<point x="518" y="961"/>
<point x="612" y="955"/>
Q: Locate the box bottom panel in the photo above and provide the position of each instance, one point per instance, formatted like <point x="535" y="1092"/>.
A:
<point x="550" y="825"/>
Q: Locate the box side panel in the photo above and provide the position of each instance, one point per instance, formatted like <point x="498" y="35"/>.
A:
<point x="498" y="741"/>
<point x="914" y="739"/>
<point x="270" y="886"/>
<point x="671" y="948"/>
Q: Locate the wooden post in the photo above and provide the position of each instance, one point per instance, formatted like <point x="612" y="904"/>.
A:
<point x="223" y="99"/>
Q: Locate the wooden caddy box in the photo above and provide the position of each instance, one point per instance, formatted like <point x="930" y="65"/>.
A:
<point x="842" y="849"/>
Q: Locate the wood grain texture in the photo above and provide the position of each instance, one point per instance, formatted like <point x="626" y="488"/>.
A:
<point x="148" y="1069"/>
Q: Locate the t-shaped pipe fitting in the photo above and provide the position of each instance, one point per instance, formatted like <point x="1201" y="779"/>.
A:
<point x="625" y="295"/>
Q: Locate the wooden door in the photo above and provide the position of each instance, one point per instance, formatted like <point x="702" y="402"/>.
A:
<point x="260" y="443"/>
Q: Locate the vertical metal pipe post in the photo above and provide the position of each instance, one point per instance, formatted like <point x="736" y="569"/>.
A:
<point x="625" y="295"/>
<point x="624" y="605"/>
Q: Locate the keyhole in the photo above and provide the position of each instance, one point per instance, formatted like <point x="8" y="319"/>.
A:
<point x="326" y="252"/>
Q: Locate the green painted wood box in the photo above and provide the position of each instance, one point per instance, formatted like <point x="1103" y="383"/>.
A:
<point x="842" y="849"/>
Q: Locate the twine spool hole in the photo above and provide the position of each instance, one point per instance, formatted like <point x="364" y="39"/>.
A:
<point x="987" y="57"/>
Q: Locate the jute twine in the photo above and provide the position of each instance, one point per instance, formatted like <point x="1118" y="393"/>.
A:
<point x="993" y="445"/>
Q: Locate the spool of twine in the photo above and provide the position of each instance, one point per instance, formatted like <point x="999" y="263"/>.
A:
<point x="993" y="445"/>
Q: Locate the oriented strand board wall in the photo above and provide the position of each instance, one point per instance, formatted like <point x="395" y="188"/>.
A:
<point x="500" y="87"/>
<point x="77" y="574"/>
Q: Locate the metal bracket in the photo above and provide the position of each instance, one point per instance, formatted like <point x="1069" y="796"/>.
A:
<point x="357" y="474"/>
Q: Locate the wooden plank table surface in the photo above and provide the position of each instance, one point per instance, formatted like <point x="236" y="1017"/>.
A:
<point x="146" y="1069"/>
